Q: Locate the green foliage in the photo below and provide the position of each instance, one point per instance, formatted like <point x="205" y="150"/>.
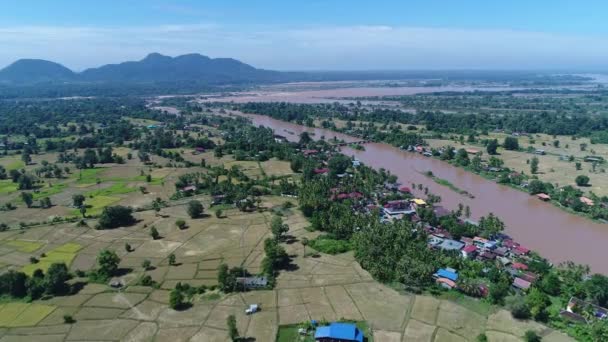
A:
<point x="326" y="244"/>
<point x="195" y="209"/>
<point x="511" y="144"/>
<point x="233" y="332"/>
<point x="154" y="233"/>
<point x="582" y="180"/>
<point x="278" y="228"/>
<point x="532" y="336"/>
<point x="181" y="224"/>
<point x="107" y="264"/>
<point x="116" y="216"/>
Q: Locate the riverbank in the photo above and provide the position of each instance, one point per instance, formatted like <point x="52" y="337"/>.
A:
<point x="448" y="184"/>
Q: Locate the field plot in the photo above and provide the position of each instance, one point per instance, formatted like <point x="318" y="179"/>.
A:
<point x="323" y="287"/>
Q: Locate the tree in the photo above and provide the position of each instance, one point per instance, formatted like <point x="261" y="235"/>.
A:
<point x="304" y="241"/>
<point x="531" y="336"/>
<point x="116" y="216"/>
<point x="492" y="146"/>
<point x="596" y="289"/>
<point x="107" y="262"/>
<point x="534" y="165"/>
<point x="83" y="211"/>
<point x="491" y="225"/>
<point x="536" y="187"/>
<point x="55" y="279"/>
<point x="128" y="247"/>
<point x="27" y="198"/>
<point x="482" y="338"/>
<point x="154" y="233"/>
<point x="146" y="265"/>
<point x="45" y="203"/>
<point x="78" y="200"/>
<point x="511" y="144"/>
<point x="551" y="284"/>
<point x="232" y="328"/>
<point x="218" y="213"/>
<point x="222" y="277"/>
<point x="278" y="228"/>
<point x="538" y="302"/>
<point x="176" y="298"/>
<point x="582" y="180"/>
<point x="195" y="209"/>
<point x="171" y="259"/>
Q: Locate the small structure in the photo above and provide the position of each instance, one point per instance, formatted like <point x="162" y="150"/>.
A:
<point x="446" y="283"/>
<point x="450" y="245"/>
<point x="310" y="152"/>
<point x="576" y="307"/>
<point x="321" y="171"/>
<point x="469" y="252"/>
<point x="587" y="201"/>
<point x="189" y="188"/>
<point x="543" y="197"/>
<point x="519" y="266"/>
<point x="479" y="241"/>
<point x="405" y="189"/>
<point x="253" y="308"/>
<point x="339" y="332"/>
<point x="398" y="207"/>
<point x="447" y="273"/>
<point x="280" y="138"/>
<point x="356" y="162"/>
<point x="540" y="152"/>
<point x="417" y="202"/>
<point x="472" y="151"/>
<point x="252" y="282"/>
<point x="519" y="250"/>
<point x="521" y="284"/>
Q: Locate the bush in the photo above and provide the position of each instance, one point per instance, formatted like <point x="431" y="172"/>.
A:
<point x="582" y="180"/>
<point x="68" y="319"/>
<point x="520" y="310"/>
<point x="181" y="224"/>
<point x="531" y="336"/>
<point x="329" y="245"/>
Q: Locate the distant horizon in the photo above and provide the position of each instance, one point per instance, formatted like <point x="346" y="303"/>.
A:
<point x="417" y="70"/>
<point x="314" y="35"/>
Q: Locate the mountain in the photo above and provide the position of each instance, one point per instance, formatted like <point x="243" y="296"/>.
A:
<point x="36" y="70"/>
<point x="192" y="67"/>
<point x="155" y="68"/>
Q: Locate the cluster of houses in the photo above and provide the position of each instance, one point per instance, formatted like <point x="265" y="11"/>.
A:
<point x="581" y="311"/>
<point x="509" y="253"/>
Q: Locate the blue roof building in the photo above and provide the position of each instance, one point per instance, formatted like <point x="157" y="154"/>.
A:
<point x="448" y="274"/>
<point x="339" y="332"/>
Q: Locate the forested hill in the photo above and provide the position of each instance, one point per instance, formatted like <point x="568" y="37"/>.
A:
<point x="154" y="68"/>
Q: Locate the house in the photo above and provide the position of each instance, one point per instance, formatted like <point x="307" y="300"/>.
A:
<point x="450" y="245"/>
<point x="405" y="189"/>
<point x="418" y="202"/>
<point x="466" y="240"/>
<point x="479" y="241"/>
<point x="391" y="186"/>
<point x="519" y="251"/>
<point x="543" y="197"/>
<point x="472" y="151"/>
<point x="469" y="252"/>
<point x="491" y="245"/>
<point x="487" y="255"/>
<point x="280" y="138"/>
<point x="447" y="273"/>
<point x="586" y="201"/>
<point x="521" y="284"/>
<point x="339" y="332"/>
<point x="398" y="207"/>
<point x="252" y="282"/>
<point x="189" y="188"/>
<point x="501" y="251"/>
<point x="519" y="266"/>
<point x="446" y="283"/>
<point x="434" y="241"/>
<point x="577" y="306"/>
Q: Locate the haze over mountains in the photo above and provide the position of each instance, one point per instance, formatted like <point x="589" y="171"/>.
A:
<point x="153" y="68"/>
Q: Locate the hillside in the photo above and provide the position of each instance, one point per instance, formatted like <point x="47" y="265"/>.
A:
<point x="36" y="70"/>
<point x="155" y="68"/>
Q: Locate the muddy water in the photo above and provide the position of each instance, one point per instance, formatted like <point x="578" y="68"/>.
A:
<point x="537" y="225"/>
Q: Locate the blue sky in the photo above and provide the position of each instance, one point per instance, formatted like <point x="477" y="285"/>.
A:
<point x="313" y="34"/>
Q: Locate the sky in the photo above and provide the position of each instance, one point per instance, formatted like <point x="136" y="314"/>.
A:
<point x="313" y="34"/>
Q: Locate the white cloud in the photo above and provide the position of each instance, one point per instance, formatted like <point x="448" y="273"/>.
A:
<point x="339" y="47"/>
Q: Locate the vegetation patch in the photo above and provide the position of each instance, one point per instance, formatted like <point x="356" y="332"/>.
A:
<point x="448" y="184"/>
<point x="96" y="204"/>
<point x="32" y="314"/>
<point x="115" y="189"/>
<point x="7" y="186"/>
<point x="25" y="246"/>
<point x="49" y="191"/>
<point x="327" y="244"/>
<point x="62" y="254"/>
<point x="89" y="176"/>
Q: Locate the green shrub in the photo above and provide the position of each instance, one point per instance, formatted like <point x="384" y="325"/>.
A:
<point x="327" y="244"/>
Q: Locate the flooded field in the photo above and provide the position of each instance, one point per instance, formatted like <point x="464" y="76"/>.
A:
<point x="540" y="226"/>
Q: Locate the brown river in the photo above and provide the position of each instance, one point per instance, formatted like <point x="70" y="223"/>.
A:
<point x="555" y="234"/>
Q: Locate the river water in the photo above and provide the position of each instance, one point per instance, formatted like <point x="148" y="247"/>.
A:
<point x="542" y="227"/>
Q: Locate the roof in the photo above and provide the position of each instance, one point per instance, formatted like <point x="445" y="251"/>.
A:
<point x="405" y="189"/>
<point x="479" y="239"/>
<point x="322" y="170"/>
<point x="419" y="201"/>
<point x="340" y="331"/>
<point x="520" y="250"/>
<point x="586" y="201"/>
<point x="469" y="249"/>
<point x="522" y="284"/>
<point x="519" y="266"/>
<point x="451" y="245"/>
<point x="447" y="282"/>
<point x="443" y="273"/>
<point x="543" y="196"/>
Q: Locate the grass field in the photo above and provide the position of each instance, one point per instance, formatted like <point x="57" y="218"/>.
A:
<point x="25" y="246"/>
<point x="115" y="189"/>
<point x="96" y="204"/>
<point x="23" y="314"/>
<point x="48" y="191"/>
<point x="89" y="176"/>
<point x="62" y="254"/>
<point x="7" y="186"/>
